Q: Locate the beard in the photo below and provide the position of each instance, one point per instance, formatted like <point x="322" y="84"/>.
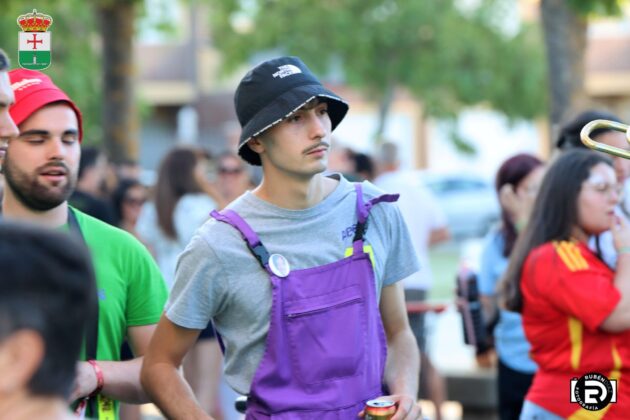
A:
<point x="31" y="192"/>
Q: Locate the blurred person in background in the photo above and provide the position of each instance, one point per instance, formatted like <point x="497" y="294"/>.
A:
<point x="364" y="169"/>
<point x="40" y="168"/>
<point x="234" y="177"/>
<point x="427" y="227"/>
<point x="128" y="169"/>
<point x="127" y="201"/>
<point x="569" y="138"/>
<point x="341" y="160"/>
<point x="47" y="295"/>
<point x="575" y="309"/>
<point x="517" y="182"/>
<point x="183" y="200"/>
<point x="91" y="184"/>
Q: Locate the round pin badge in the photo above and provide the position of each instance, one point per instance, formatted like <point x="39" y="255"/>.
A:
<point x="279" y="265"/>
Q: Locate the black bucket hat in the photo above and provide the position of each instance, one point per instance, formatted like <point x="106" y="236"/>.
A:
<point x="272" y="91"/>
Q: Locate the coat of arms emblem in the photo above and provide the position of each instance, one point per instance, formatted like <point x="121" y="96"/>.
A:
<point x="34" y="42"/>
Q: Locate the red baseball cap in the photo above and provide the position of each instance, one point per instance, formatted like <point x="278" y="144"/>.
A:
<point x="33" y="90"/>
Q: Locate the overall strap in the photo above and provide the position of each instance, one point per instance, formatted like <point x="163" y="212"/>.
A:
<point x="91" y="334"/>
<point x="251" y="238"/>
<point x="363" y="211"/>
<point x="252" y="241"/>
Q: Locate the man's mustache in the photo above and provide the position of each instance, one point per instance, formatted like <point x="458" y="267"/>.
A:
<point x="317" y="146"/>
<point x="52" y="166"/>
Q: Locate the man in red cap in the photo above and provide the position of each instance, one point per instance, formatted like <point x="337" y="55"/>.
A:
<point x="40" y="168"/>
<point x="7" y="126"/>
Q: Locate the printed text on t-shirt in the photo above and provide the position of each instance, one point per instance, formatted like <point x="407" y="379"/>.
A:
<point x="348" y="232"/>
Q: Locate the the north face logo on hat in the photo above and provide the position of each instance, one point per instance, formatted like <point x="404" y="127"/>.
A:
<point x="287" y="70"/>
<point x="271" y="91"/>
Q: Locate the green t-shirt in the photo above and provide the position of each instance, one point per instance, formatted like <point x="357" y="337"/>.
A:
<point x="131" y="290"/>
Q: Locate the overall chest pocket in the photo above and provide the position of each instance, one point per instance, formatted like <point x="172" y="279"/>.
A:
<point x="327" y="335"/>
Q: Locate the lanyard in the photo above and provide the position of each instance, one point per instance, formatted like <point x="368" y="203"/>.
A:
<point x="91" y="339"/>
<point x="97" y="406"/>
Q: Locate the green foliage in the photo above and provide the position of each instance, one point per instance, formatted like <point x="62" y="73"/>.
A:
<point x="75" y="65"/>
<point x="448" y="57"/>
<point x="598" y="7"/>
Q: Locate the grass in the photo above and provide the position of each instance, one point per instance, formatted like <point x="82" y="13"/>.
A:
<point x="444" y="261"/>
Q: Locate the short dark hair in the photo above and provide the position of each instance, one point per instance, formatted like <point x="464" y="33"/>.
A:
<point x="363" y="165"/>
<point x="5" y="63"/>
<point x="89" y="157"/>
<point x="47" y="286"/>
<point x="554" y="214"/>
<point x="569" y="136"/>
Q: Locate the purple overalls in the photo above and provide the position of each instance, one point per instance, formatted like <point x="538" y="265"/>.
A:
<point x="326" y="348"/>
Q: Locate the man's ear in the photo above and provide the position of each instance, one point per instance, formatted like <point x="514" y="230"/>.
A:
<point x="256" y="144"/>
<point x="21" y="354"/>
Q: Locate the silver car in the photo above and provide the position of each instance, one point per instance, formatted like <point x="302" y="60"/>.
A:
<point x="469" y="202"/>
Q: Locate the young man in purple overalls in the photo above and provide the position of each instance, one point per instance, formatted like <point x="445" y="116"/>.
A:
<point x="299" y="276"/>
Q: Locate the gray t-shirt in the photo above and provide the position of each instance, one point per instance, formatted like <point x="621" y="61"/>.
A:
<point x="218" y="278"/>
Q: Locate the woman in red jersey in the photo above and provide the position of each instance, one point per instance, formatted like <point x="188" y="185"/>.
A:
<point x="576" y="311"/>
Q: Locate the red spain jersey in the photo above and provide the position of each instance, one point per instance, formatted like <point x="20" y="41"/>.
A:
<point x="567" y="293"/>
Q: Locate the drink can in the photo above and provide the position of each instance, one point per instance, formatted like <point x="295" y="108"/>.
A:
<point x="379" y="410"/>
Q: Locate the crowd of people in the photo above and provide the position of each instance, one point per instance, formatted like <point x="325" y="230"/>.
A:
<point x="295" y="288"/>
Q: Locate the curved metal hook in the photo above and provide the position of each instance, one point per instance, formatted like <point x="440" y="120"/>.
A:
<point x="601" y="147"/>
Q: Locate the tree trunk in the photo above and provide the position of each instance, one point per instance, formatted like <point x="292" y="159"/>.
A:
<point x="383" y="111"/>
<point x="565" y="39"/>
<point x="120" y="116"/>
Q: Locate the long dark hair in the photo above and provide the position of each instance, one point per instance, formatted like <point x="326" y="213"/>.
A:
<point x="512" y="172"/>
<point x="176" y="178"/>
<point x="553" y="216"/>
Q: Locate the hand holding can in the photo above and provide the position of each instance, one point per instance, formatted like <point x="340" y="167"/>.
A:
<point x="379" y="410"/>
